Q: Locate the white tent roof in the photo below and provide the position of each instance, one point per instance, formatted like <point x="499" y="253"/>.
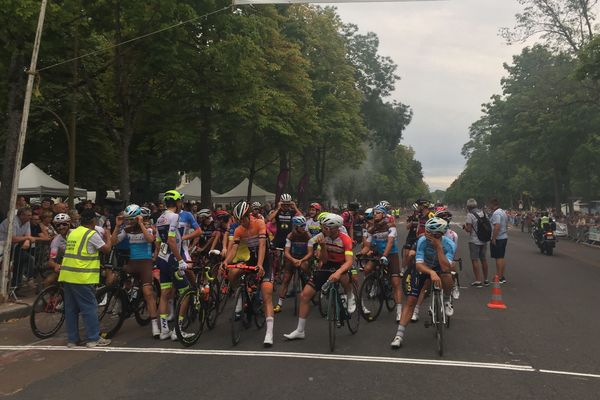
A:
<point x="193" y="190"/>
<point x="35" y="182"/>
<point x="241" y="191"/>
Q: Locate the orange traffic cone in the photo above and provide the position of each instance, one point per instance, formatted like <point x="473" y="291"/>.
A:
<point x="497" y="296"/>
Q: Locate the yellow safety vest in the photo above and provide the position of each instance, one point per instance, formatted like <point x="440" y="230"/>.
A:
<point x="79" y="266"/>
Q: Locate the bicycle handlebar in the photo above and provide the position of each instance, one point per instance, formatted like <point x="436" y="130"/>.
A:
<point x="243" y="266"/>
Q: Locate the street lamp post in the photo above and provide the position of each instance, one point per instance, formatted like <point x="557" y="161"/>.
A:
<point x="20" y="147"/>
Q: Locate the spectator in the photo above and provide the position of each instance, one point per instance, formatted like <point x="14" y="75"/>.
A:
<point x="88" y="205"/>
<point x="156" y="214"/>
<point x="60" y="208"/>
<point x="46" y="223"/>
<point x="21" y="202"/>
<point x="477" y="248"/>
<point x="499" y="237"/>
<point x="47" y="204"/>
<point x="22" y="239"/>
<point x="79" y="272"/>
<point x="75" y="218"/>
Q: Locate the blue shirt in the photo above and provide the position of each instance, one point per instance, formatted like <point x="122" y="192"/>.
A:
<point x="427" y="254"/>
<point x="499" y="217"/>
<point x="379" y="238"/>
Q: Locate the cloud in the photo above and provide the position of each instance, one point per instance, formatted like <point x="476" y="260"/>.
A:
<point x="450" y="58"/>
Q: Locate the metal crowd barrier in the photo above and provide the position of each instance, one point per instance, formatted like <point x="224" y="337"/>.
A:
<point x="27" y="264"/>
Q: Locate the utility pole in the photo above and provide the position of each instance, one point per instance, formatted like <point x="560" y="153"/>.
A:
<point x="73" y="120"/>
<point x="19" y="156"/>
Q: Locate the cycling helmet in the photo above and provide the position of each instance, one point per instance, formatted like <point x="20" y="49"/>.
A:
<point x="204" y="213"/>
<point x="172" y="195"/>
<point x="415" y="207"/>
<point x="240" y="210"/>
<point x="132" y="211"/>
<point x="422" y="203"/>
<point x="256" y="204"/>
<point x="385" y="204"/>
<point x="333" y="221"/>
<point x="222" y="215"/>
<point x="316" y="206"/>
<point x="444" y="214"/>
<point x="285" y="198"/>
<point x="322" y="216"/>
<point x="436" y="225"/>
<point x="380" y="208"/>
<point x="353" y="206"/>
<point x="61" y="218"/>
<point x="145" y="212"/>
<point x="299" y="221"/>
<point x="369" y="213"/>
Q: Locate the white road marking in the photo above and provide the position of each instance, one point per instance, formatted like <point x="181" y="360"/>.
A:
<point x="268" y="354"/>
<point x="549" y="371"/>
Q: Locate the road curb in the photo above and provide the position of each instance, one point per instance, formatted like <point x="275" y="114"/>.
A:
<point x="13" y="311"/>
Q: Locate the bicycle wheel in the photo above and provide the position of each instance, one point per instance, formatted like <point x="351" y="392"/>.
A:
<point x="48" y="312"/>
<point x="212" y="305"/>
<point x="258" y="310"/>
<point x="322" y="302"/>
<point x="225" y="293"/>
<point x="239" y="319"/>
<point x="354" y="318"/>
<point x="388" y="294"/>
<point x="112" y="306"/>
<point x="191" y="305"/>
<point x="370" y="298"/>
<point x="439" y="321"/>
<point x="332" y="316"/>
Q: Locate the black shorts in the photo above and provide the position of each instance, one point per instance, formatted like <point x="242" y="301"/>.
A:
<point x="499" y="249"/>
<point x="268" y="276"/>
<point x="410" y="243"/>
<point x="320" y="276"/>
<point x="279" y="241"/>
<point x="414" y="281"/>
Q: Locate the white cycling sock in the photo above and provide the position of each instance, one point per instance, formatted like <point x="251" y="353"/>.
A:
<point x="400" y="331"/>
<point x="416" y="310"/>
<point x="270" y="321"/>
<point x="301" y="324"/>
<point x="238" y="305"/>
<point x="280" y="302"/>
<point x="399" y="308"/>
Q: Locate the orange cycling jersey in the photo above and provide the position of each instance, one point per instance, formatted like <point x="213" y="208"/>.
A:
<point x="337" y="249"/>
<point x="251" y="236"/>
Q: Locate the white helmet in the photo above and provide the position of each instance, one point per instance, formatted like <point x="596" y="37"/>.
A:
<point x="286" y="198"/>
<point x="256" y="204"/>
<point x="436" y="225"/>
<point x="61" y="218"/>
<point x="145" y="212"/>
<point x="333" y="221"/>
<point x="132" y="211"/>
<point x="240" y="210"/>
<point x="205" y="212"/>
<point x="385" y="203"/>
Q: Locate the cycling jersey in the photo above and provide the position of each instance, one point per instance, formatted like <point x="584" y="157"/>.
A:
<point x="139" y="247"/>
<point x="187" y="223"/>
<point x="57" y="248"/>
<point x="167" y="226"/>
<point x="450" y="234"/>
<point x="283" y="222"/>
<point x="412" y="231"/>
<point x="207" y="231"/>
<point x="348" y="219"/>
<point x="337" y="249"/>
<point x="297" y="242"/>
<point x="248" y="241"/>
<point x="313" y="227"/>
<point x="378" y="237"/>
<point x="427" y="254"/>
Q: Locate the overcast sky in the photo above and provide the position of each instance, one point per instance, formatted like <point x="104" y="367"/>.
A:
<point x="449" y="57"/>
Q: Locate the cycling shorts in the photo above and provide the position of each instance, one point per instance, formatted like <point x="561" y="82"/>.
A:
<point x="320" y="276"/>
<point x="414" y="281"/>
<point x="253" y="261"/>
<point x="410" y="243"/>
<point x="169" y="276"/>
<point x="142" y="269"/>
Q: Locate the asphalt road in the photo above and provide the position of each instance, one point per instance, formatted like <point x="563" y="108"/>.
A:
<point x="529" y="351"/>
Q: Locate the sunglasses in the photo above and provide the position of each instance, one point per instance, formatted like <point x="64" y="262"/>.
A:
<point x="62" y="225"/>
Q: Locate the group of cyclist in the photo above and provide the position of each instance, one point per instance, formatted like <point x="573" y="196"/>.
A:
<point x="321" y="245"/>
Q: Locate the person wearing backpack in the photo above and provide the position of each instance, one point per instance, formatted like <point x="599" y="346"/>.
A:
<point x="479" y="228"/>
<point x="499" y="238"/>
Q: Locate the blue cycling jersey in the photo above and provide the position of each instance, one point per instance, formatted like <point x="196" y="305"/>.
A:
<point x="427" y="254"/>
<point x="139" y="247"/>
<point x="378" y="238"/>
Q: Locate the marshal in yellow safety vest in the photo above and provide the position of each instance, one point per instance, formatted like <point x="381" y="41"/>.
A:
<point x="78" y="265"/>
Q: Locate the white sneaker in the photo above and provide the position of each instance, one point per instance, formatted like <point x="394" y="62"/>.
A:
<point x="415" y="316"/>
<point x="268" y="339"/>
<point x="295" y="335"/>
<point x="455" y="293"/>
<point x="100" y="342"/>
<point x="365" y="310"/>
<point x="165" y="335"/>
<point x="351" y="304"/>
<point x="397" y="342"/>
<point x="449" y="309"/>
<point x="155" y="329"/>
<point x="184" y="334"/>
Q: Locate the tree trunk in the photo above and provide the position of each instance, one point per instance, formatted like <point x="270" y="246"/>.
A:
<point x="283" y="165"/>
<point x="251" y="174"/>
<point x="73" y="121"/>
<point x="555" y="180"/>
<point x="16" y="89"/>
<point x="205" y="168"/>
<point x="124" y="184"/>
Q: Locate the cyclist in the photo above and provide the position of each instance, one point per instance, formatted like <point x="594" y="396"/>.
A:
<point x="386" y="204"/>
<point x="62" y="225"/>
<point x="140" y="239"/>
<point x="251" y="236"/>
<point x="169" y="260"/>
<point x="337" y="257"/>
<point x="434" y="257"/>
<point x="412" y="222"/>
<point x="257" y="210"/>
<point x="207" y="226"/>
<point x="189" y="230"/>
<point x="450" y="234"/>
<point x="282" y="216"/>
<point x="349" y="216"/>
<point x="221" y="233"/>
<point x="296" y="248"/>
<point x="312" y="223"/>
<point x="383" y="236"/>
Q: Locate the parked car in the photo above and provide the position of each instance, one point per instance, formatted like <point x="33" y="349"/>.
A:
<point x="561" y="230"/>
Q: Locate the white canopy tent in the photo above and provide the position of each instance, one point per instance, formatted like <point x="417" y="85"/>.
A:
<point x="35" y="182"/>
<point x="193" y="190"/>
<point x="241" y="191"/>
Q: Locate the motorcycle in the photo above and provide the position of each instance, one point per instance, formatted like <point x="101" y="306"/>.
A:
<point x="545" y="241"/>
